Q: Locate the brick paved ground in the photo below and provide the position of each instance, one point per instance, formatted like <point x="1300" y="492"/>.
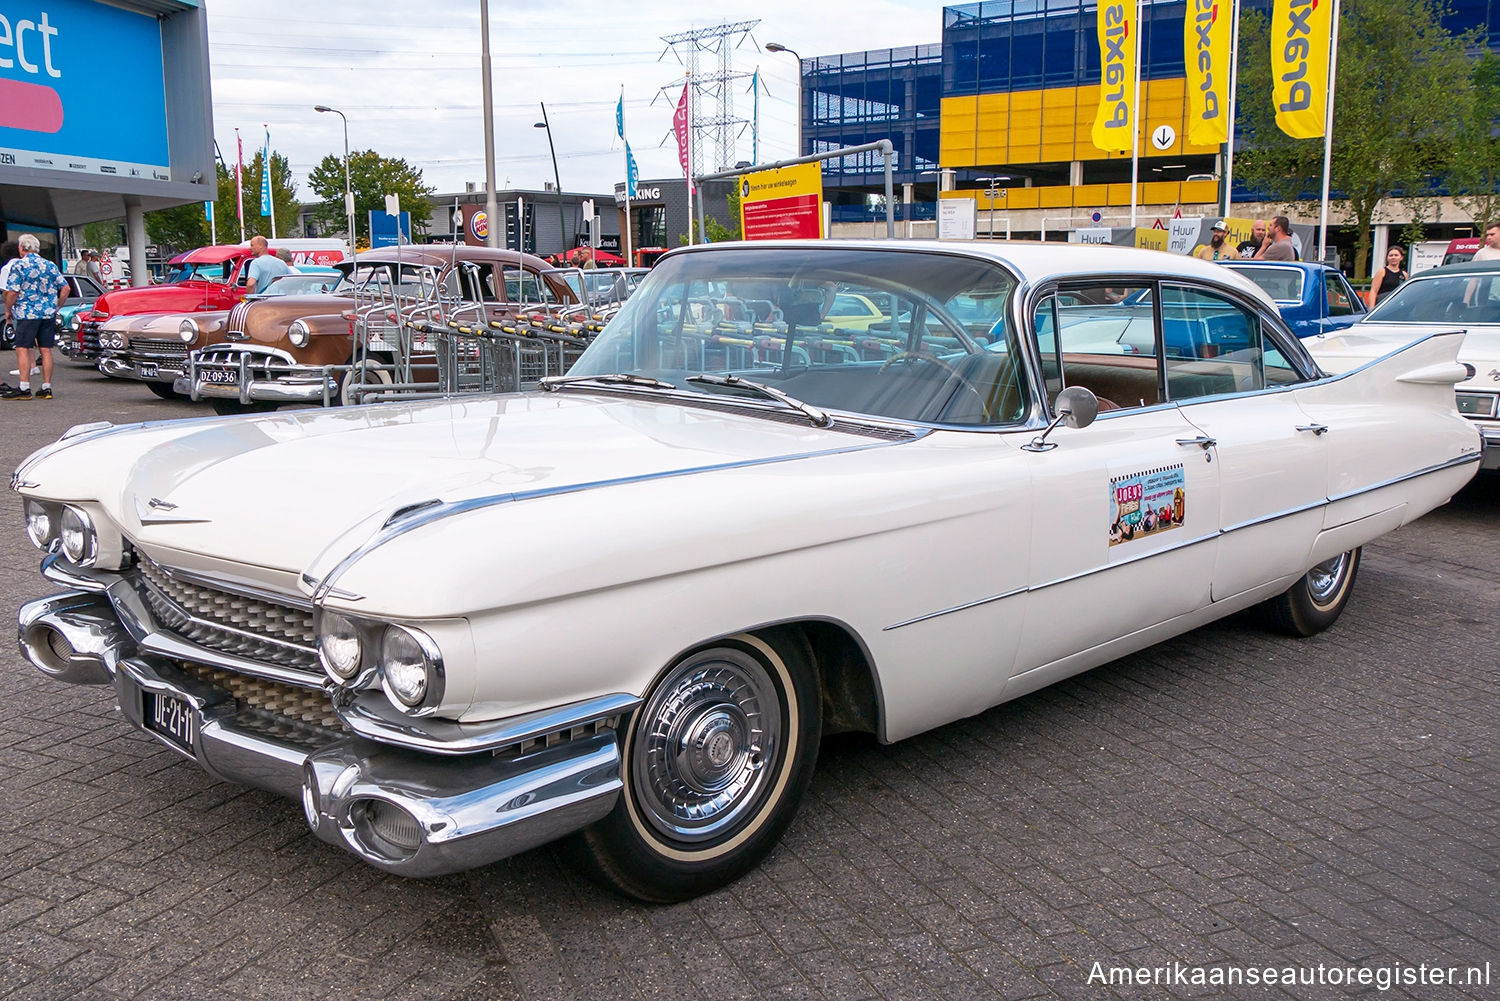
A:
<point x="1228" y="797"/>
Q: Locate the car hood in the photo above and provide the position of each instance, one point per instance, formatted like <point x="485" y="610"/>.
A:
<point x="294" y="491"/>
<point x="1364" y="342"/>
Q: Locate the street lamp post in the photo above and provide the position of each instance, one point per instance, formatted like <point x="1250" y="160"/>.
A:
<point x="778" y="47"/>
<point x="348" y="187"/>
<point x="562" y="229"/>
<point x="992" y="191"/>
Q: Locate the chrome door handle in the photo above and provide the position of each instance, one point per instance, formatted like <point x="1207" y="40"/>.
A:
<point x="1203" y="440"/>
<point x="1317" y="429"/>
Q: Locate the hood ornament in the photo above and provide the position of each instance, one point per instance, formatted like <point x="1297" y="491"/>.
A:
<point x="157" y="504"/>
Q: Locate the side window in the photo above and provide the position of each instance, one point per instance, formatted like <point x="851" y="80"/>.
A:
<point x="1340" y="300"/>
<point x="1044" y="322"/>
<point x="1211" y="345"/>
<point x="1106" y="342"/>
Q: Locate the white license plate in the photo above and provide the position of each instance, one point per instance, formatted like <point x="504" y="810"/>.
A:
<point x="170" y="717"/>
<point x="219" y="376"/>
<point x="146" y="370"/>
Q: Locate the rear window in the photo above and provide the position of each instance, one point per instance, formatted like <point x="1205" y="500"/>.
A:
<point x="1281" y="284"/>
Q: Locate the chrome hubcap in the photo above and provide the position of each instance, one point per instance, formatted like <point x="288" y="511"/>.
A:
<point x="703" y="744"/>
<point x="1323" y="580"/>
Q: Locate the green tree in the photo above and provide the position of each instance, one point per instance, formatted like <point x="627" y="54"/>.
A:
<point x="1475" y="177"/>
<point x="177" y="229"/>
<point x="715" y="230"/>
<point x="104" y="236"/>
<point x="1403" y="94"/>
<point x="372" y="177"/>
<point x="284" y="194"/>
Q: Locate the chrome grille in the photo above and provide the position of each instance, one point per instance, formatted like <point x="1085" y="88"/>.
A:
<point x="157" y="350"/>
<point x="253" y="628"/>
<point x="286" y="710"/>
<point x="236" y="323"/>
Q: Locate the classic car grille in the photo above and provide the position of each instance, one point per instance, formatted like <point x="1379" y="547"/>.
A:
<point x="253" y="628"/>
<point x="88" y="340"/>
<point x="147" y="349"/>
<point x="301" y="705"/>
<point x="236" y="324"/>
<point x="262" y="367"/>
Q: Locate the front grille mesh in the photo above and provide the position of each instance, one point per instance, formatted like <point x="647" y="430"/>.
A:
<point x="253" y="628"/>
<point x="154" y="350"/>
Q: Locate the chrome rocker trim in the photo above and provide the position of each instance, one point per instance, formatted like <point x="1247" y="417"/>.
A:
<point x="461" y="811"/>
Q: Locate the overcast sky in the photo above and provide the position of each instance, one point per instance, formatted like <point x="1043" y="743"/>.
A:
<point x="407" y="75"/>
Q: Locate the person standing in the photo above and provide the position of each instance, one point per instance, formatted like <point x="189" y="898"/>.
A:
<point x="1491" y="249"/>
<point x="263" y="266"/>
<point x="91" y="267"/>
<point x="1388" y="278"/>
<point x="1280" y="247"/>
<point x="34" y="291"/>
<point x="1216" y="249"/>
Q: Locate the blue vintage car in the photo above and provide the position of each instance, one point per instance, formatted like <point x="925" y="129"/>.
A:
<point x="1313" y="298"/>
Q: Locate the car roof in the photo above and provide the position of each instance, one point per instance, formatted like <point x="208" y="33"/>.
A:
<point x="1462" y="268"/>
<point x="1036" y="262"/>
<point x="1292" y="265"/>
<point x="215" y="255"/>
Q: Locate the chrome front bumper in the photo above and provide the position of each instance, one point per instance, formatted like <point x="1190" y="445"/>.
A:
<point x="249" y="367"/>
<point x="122" y="368"/>
<point x="457" y="811"/>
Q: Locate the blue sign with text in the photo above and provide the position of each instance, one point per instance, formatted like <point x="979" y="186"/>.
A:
<point x="61" y="110"/>
<point x="383" y="232"/>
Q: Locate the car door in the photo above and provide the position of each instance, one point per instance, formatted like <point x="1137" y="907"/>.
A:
<point x="1272" y="461"/>
<point x="1343" y="306"/>
<point x="1126" y="513"/>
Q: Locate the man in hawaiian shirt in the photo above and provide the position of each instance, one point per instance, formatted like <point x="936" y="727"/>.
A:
<point x="34" y="290"/>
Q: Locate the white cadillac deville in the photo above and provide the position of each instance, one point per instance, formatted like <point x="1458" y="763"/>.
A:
<point x="1457" y="297"/>
<point x="627" y="607"/>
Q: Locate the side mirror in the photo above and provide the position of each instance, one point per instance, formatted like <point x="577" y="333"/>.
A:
<point x="1076" y="407"/>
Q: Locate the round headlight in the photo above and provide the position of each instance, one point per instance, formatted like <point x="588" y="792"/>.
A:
<point x="339" y="646"/>
<point x="410" y="667"/>
<point x="188" y="331"/>
<point x="79" y="543"/>
<point x="299" y="334"/>
<point x="74" y="322"/>
<point x="41" y="526"/>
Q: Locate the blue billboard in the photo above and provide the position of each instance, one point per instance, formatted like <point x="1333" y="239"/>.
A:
<point x="387" y="230"/>
<point x="61" y="109"/>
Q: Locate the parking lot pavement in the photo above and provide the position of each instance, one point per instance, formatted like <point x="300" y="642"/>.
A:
<point x="1229" y="798"/>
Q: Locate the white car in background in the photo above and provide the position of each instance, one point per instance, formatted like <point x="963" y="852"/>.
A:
<point x="626" y="608"/>
<point x="1462" y="297"/>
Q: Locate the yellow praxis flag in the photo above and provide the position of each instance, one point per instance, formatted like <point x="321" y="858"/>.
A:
<point x="1114" y="125"/>
<point x="1205" y="44"/>
<point x="1299" y="65"/>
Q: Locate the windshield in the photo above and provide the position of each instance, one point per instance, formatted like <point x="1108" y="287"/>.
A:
<point x="218" y="272"/>
<point x="301" y="284"/>
<point x="1459" y="299"/>
<point x="921" y="337"/>
<point x="1281" y="284"/>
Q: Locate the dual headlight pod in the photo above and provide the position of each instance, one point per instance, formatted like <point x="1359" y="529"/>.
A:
<point x="62" y="526"/>
<point x="405" y="660"/>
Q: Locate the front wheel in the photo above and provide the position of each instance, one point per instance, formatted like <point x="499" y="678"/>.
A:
<point x="1317" y="600"/>
<point x="368" y="373"/>
<point x="714" y="763"/>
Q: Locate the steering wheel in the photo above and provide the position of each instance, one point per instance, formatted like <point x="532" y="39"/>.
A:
<point x="908" y="357"/>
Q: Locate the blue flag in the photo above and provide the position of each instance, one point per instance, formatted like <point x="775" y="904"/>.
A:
<point x="620" y="115"/>
<point x="632" y="173"/>
<point x="265" y="178"/>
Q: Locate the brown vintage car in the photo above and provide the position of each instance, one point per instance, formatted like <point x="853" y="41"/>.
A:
<point x="302" y="349"/>
<point x="152" y="348"/>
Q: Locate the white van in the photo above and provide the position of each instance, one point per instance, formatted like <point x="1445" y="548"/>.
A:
<point x="306" y="250"/>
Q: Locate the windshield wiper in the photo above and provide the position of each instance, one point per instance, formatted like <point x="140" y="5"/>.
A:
<point x="818" y="417"/>
<point x="552" y="382"/>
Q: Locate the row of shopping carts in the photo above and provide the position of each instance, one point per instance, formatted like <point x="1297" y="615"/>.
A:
<point x="448" y="331"/>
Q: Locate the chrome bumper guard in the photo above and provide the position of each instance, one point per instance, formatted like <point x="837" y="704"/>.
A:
<point x="1490" y="434"/>
<point x="405" y="811"/>
<point x="250" y="367"/>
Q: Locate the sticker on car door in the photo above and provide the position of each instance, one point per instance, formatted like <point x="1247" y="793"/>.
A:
<point x="1146" y="503"/>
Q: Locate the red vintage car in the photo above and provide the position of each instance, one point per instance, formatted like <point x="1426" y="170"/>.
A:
<point x="206" y="279"/>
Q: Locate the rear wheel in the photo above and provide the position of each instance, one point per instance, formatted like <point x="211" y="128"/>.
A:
<point x="229" y="408"/>
<point x="1317" y="600"/>
<point x="163" y="390"/>
<point x="714" y="763"/>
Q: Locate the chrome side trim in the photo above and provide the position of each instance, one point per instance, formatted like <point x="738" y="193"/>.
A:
<point x="60" y="571"/>
<point x="427" y="516"/>
<point x="372" y="716"/>
<point x="1461" y="460"/>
